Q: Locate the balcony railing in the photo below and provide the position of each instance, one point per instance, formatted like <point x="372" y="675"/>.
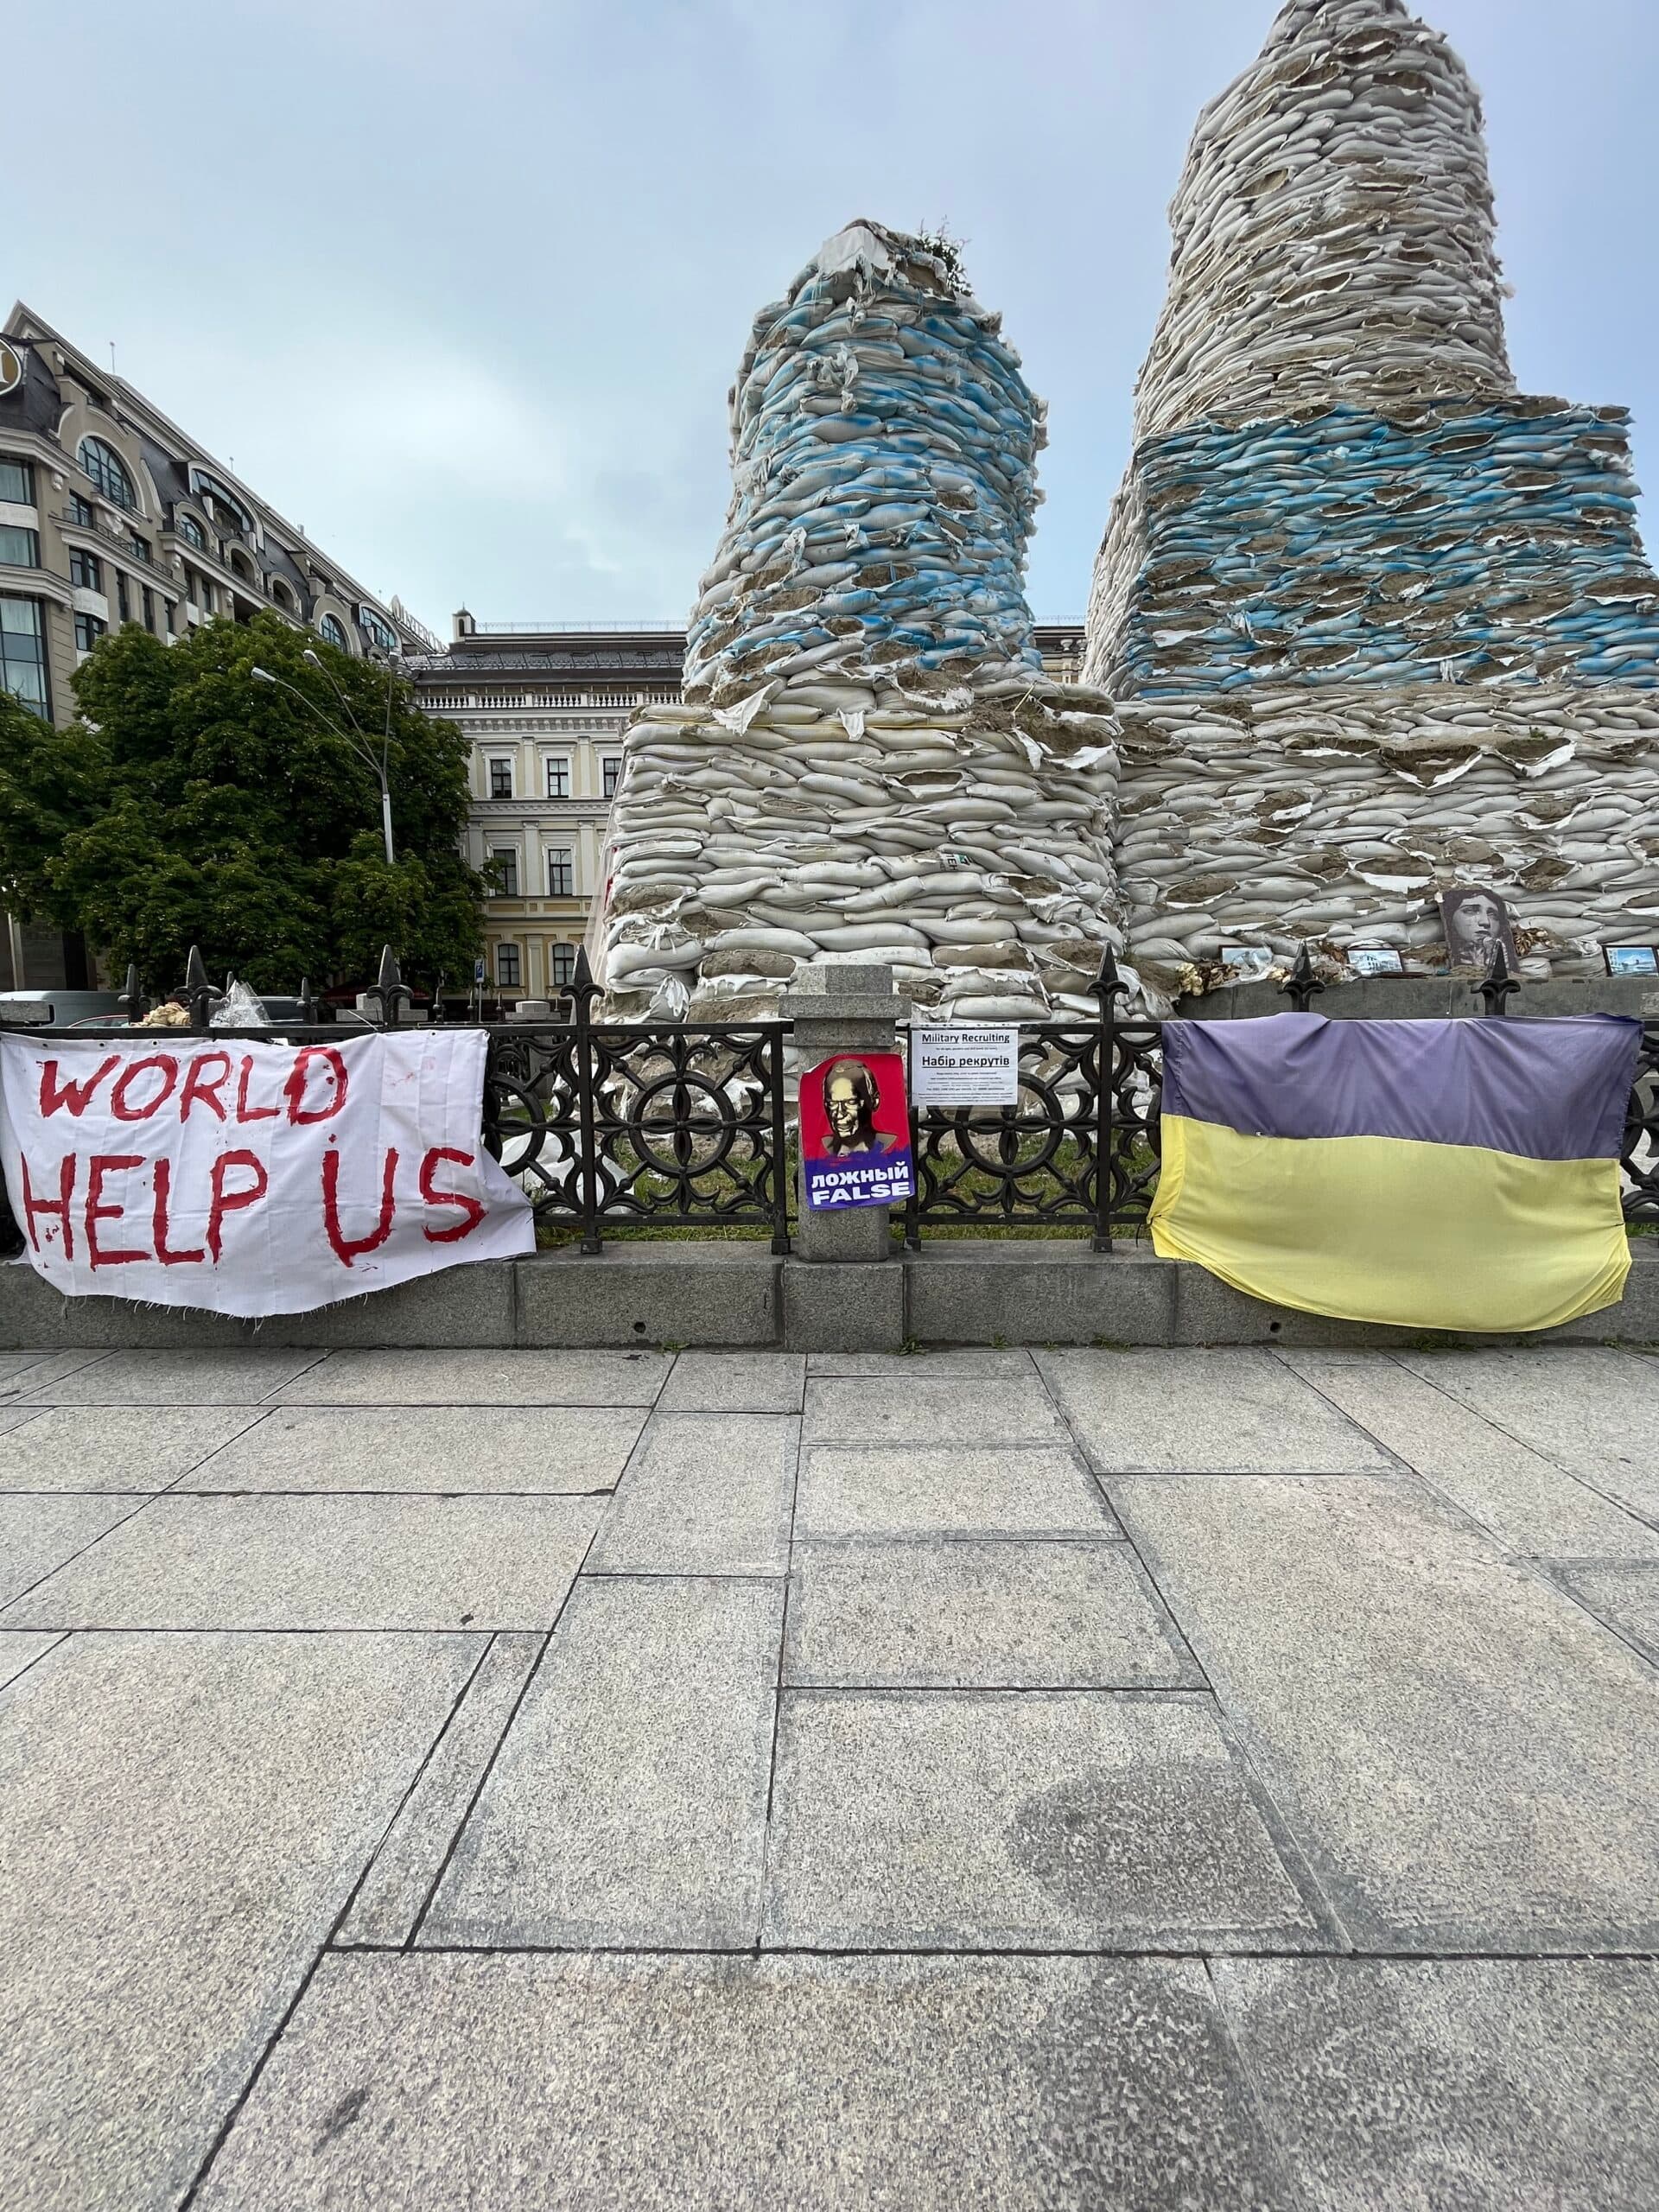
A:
<point x="657" y="624"/>
<point x="122" y="540"/>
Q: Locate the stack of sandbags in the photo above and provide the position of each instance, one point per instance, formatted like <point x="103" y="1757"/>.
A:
<point x="1374" y="623"/>
<point x="870" y="764"/>
<point x="1332" y="231"/>
<point x="1461" y="544"/>
<point x="967" y="839"/>
<point x="1332" y="816"/>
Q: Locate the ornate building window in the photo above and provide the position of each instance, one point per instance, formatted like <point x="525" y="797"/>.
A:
<point x="108" y="471"/>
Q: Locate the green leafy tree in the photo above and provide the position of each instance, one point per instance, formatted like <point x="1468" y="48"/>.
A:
<point x="193" y="804"/>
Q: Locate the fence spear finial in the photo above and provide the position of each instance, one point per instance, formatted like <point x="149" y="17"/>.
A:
<point x="198" y="994"/>
<point x="1302" y="984"/>
<point x="1497" y="986"/>
<point x="1109" y="984"/>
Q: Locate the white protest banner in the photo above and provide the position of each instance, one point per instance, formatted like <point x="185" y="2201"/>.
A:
<point x="252" y="1178"/>
<point x="964" y="1067"/>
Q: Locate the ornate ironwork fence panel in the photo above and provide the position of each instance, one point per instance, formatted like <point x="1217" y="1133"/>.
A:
<point x="625" y="1128"/>
<point x="1032" y="1163"/>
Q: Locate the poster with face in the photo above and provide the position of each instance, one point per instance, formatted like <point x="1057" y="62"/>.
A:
<point x="856" y="1131"/>
<point x="1476" y="922"/>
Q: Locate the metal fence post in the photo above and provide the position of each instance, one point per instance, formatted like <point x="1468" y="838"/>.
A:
<point x="1109" y="988"/>
<point x="137" y="1005"/>
<point x="1497" y="986"/>
<point x="780" y="1177"/>
<point x="913" y="1203"/>
<point x="585" y="991"/>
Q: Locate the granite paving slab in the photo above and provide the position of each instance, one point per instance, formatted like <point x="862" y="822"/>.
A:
<point x="1468" y="1759"/>
<point x="37" y="1535"/>
<point x="482" y="1378"/>
<point x="173" y="1378"/>
<point x="21" y="1648"/>
<point x="1484" y="2085"/>
<point x="930" y="1410"/>
<point x="966" y="1615"/>
<point x="115" y="1447"/>
<point x="918" y="1490"/>
<point x="989" y="1821"/>
<point x="987" y="1366"/>
<point x="628" y="1804"/>
<point x="705" y="1494"/>
<point x="387" y="1908"/>
<point x="320" y="1562"/>
<point x="1227" y="1412"/>
<point x="181" y="1818"/>
<point x="821" y="2085"/>
<point x="735" y="1382"/>
<point x="23" y="1371"/>
<point x="1594" y="1411"/>
<point x="1623" y="1593"/>
<point x="476" y="1451"/>
<point x="14" y="1364"/>
<point x="1528" y="1501"/>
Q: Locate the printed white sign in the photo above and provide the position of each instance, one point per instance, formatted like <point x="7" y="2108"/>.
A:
<point x="249" y="1178"/>
<point x="964" y="1067"/>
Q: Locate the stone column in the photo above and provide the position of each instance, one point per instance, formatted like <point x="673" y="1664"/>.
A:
<point x="842" y="1292"/>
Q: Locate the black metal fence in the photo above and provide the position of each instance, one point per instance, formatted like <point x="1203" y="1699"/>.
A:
<point x="619" y="1128"/>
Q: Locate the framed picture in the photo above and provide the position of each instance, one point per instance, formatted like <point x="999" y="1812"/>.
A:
<point x="1247" y="964"/>
<point x="1477" y="922"/>
<point x="1631" y="959"/>
<point x="1376" y="960"/>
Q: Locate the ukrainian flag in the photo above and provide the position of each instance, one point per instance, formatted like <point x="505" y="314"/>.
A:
<point x="1432" y="1174"/>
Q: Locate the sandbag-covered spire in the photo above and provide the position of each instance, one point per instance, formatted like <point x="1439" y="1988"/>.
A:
<point x="870" y="763"/>
<point x="1375" y="622"/>
<point x="1332" y="230"/>
<point x="883" y="480"/>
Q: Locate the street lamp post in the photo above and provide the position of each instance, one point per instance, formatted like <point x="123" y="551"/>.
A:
<point x="353" y="738"/>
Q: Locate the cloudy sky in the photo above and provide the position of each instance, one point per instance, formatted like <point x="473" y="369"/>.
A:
<point x="461" y="289"/>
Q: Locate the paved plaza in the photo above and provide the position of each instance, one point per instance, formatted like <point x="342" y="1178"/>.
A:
<point x="984" y="1779"/>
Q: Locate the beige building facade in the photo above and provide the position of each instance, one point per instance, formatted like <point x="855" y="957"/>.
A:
<point x="109" y="514"/>
<point x="544" y="706"/>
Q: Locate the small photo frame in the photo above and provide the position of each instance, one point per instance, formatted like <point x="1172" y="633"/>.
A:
<point x="1376" y="960"/>
<point x="1476" y="920"/>
<point x="1247" y="964"/>
<point x="1631" y="959"/>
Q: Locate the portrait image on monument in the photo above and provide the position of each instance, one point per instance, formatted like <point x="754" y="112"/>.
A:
<point x="1477" y="922"/>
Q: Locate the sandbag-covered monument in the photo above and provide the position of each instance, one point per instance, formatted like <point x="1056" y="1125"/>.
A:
<point x="870" y="763"/>
<point x="1375" y="622"/>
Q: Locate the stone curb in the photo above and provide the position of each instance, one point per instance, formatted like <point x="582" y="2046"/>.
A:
<point x="737" y="1296"/>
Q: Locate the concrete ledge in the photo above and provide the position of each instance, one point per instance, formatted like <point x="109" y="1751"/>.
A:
<point x="1395" y="998"/>
<point x="651" y="1293"/>
<point x="469" y="1306"/>
<point x="844" y="1304"/>
<point x="740" y="1296"/>
<point x="1061" y="1292"/>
